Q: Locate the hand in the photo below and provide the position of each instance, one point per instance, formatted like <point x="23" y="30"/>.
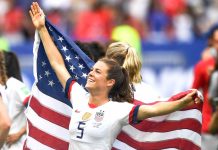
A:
<point x="37" y="16"/>
<point x="12" y="138"/>
<point x="192" y="98"/>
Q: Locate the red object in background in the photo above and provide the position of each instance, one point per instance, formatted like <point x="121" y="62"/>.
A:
<point x="172" y="7"/>
<point x="13" y="20"/>
<point x="202" y="72"/>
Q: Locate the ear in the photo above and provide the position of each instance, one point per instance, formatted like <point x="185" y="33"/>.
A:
<point x="110" y="82"/>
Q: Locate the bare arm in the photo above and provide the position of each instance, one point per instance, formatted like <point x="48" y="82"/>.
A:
<point x="164" y="108"/>
<point x="5" y="123"/>
<point x="12" y="138"/>
<point x="51" y="50"/>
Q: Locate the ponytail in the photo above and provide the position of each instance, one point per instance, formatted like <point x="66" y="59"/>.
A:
<point x="121" y="90"/>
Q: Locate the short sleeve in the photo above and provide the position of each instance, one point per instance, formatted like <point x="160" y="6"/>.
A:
<point x="74" y="92"/>
<point x="129" y="113"/>
<point x="18" y="90"/>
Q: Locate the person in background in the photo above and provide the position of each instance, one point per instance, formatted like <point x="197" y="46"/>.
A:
<point x="5" y="122"/>
<point x="202" y="73"/>
<point x="16" y="100"/>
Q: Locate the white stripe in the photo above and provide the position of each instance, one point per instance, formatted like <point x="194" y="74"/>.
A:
<point x="52" y="103"/>
<point x="36" y="145"/>
<point x="180" y="115"/>
<point x="120" y="145"/>
<point x="35" y="54"/>
<point x="47" y="126"/>
<point x="170" y="149"/>
<point x="141" y="136"/>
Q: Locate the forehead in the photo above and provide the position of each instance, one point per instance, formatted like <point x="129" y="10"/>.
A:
<point x="101" y="66"/>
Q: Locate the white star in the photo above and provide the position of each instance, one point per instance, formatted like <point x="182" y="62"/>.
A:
<point x="77" y="57"/>
<point x="51" y="83"/>
<point x="64" y="48"/>
<point x="60" y="38"/>
<point x="81" y="66"/>
<point x="43" y="63"/>
<point x="40" y="77"/>
<point x="72" y="68"/>
<point x="76" y="77"/>
<point x="68" y="58"/>
<point x="50" y="28"/>
<point x="84" y="75"/>
<point x="47" y="73"/>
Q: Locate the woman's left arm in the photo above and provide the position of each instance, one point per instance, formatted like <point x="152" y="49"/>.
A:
<point x="163" y="108"/>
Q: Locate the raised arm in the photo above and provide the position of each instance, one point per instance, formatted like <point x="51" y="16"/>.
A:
<point x="54" y="57"/>
<point x="164" y="108"/>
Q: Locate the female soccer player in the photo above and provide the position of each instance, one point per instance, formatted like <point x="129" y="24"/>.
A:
<point x="97" y="118"/>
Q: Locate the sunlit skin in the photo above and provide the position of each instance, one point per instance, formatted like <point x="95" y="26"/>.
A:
<point x="97" y="82"/>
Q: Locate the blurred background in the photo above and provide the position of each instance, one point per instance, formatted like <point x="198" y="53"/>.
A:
<point x="170" y="35"/>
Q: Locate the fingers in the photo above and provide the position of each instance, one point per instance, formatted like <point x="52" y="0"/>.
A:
<point x="35" y="9"/>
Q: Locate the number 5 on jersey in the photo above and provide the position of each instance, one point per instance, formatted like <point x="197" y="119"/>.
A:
<point x="81" y="129"/>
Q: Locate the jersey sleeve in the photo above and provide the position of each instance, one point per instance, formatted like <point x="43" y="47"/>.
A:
<point x="19" y="90"/>
<point x="74" y="92"/>
<point x="129" y="113"/>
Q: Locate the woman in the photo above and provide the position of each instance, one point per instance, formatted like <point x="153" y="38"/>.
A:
<point x="16" y="96"/>
<point x="127" y="57"/>
<point x="97" y="118"/>
<point x="5" y="122"/>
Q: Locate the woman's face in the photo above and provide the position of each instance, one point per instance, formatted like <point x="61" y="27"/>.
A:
<point x="97" y="77"/>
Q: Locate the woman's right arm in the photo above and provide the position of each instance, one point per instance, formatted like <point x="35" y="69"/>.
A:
<point x="54" y="56"/>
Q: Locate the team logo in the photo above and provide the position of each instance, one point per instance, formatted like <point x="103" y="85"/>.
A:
<point x="99" y="116"/>
<point x="86" y="116"/>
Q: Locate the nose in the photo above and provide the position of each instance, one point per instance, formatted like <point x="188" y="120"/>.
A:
<point x="90" y="73"/>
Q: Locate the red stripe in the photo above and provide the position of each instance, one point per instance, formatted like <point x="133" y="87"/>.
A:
<point x="46" y="138"/>
<point x="70" y="88"/>
<point x="178" y="143"/>
<point x="49" y="115"/>
<point x="26" y="100"/>
<point x="166" y="126"/>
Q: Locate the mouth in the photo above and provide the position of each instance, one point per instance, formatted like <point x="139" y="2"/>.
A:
<point x="90" y="80"/>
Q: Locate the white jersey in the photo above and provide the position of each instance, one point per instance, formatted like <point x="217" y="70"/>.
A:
<point x="96" y="128"/>
<point x="145" y="93"/>
<point x="16" y="94"/>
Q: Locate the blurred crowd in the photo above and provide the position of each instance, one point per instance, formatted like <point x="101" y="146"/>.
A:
<point x="154" y="21"/>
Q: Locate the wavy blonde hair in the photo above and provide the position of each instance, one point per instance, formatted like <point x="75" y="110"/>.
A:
<point x="127" y="57"/>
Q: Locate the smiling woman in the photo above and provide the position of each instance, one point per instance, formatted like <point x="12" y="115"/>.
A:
<point x="98" y="117"/>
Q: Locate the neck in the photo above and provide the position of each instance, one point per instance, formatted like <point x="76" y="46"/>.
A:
<point x="98" y="100"/>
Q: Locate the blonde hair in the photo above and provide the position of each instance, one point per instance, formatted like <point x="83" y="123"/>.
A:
<point x="127" y="57"/>
<point x="3" y="73"/>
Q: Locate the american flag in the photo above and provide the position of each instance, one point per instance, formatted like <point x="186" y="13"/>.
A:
<point x="49" y="110"/>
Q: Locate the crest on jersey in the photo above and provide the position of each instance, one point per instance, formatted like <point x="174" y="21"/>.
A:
<point x="99" y="116"/>
<point x="86" y="116"/>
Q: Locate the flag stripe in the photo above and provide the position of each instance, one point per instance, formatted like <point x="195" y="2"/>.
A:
<point x="160" y="144"/>
<point x="149" y="126"/>
<point x="47" y="139"/>
<point x="47" y="126"/>
<point x="159" y="136"/>
<point x="49" y="102"/>
<point x="49" y="114"/>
